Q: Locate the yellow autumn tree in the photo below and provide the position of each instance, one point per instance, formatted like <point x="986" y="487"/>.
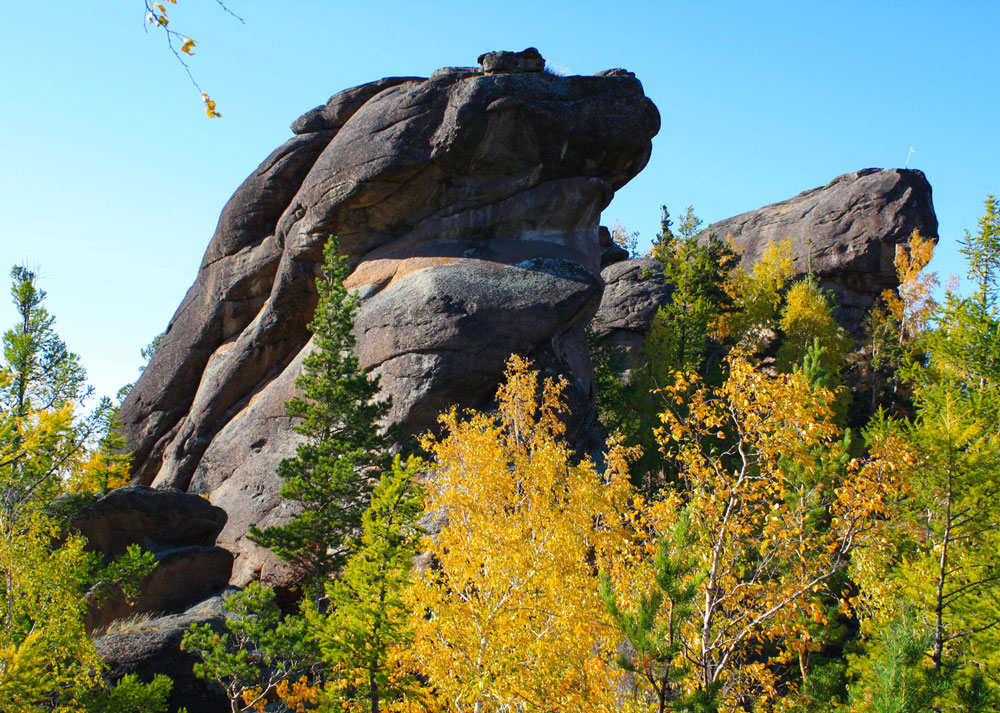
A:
<point x="773" y="505"/>
<point x="756" y="297"/>
<point x="509" y="617"/>
<point x="807" y="317"/>
<point x="913" y="304"/>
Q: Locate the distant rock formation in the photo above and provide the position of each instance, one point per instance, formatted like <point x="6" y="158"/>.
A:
<point x="468" y="204"/>
<point x="845" y="232"/>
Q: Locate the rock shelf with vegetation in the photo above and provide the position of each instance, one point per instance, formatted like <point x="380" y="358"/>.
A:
<point x="425" y="436"/>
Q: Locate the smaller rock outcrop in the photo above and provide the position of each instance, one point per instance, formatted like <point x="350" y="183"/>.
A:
<point x="845" y="232"/>
<point x="530" y="60"/>
<point x="178" y="528"/>
<point x="633" y="291"/>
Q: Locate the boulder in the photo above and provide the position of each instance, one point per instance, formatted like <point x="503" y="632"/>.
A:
<point x="468" y="205"/>
<point x="527" y="61"/>
<point x="610" y="251"/>
<point x="156" y="520"/>
<point x="634" y="291"/>
<point x="180" y="530"/>
<point x="845" y="232"/>
<point x="183" y="577"/>
<point x="146" y="646"/>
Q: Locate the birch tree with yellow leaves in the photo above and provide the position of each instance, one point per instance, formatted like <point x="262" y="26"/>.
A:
<point x="509" y="617"/>
<point x="774" y="506"/>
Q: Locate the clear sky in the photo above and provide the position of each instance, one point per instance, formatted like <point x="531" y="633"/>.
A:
<point x="112" y="178"/>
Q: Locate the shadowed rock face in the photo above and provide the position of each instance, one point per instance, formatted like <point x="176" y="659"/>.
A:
<point x="468" y="204"/>
<point x="179" y="529"/>
<point x="634" y="291"/>
<point x="848" y="230"/>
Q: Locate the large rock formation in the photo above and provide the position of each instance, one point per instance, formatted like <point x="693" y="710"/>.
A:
<point x="468" y="204"/>
<point x="845" y="232"/>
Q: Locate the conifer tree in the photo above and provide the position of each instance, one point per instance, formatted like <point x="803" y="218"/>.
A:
<point x="369" y="620"/>
<point x="332" y="473"/>
<point x="939" y="556"/>
<point x="653" y="626"/>
<point x="697" y="268"/>
<point x="47" y="661"/>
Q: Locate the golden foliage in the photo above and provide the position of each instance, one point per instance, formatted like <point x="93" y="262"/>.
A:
<point x="756" y="297"/>
<point x="914" y="303"/>
<point x="808" y="316"/>
<point x="776" y="506"/>
<point x="509" y="619"/>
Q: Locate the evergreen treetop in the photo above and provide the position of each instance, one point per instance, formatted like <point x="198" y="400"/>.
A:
<point x="332" y="474"/>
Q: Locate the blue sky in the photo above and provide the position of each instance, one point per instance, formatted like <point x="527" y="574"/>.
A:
<point x="112" y="179"/>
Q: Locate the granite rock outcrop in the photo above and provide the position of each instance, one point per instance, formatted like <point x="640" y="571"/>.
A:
<point x="468" y="204"/>
<point x="845" y="232"/>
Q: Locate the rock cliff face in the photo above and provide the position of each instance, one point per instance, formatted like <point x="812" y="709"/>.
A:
<point x="468" y="204"/>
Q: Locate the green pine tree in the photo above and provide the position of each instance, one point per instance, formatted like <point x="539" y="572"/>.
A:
<point x="368" y="617"/>
<point x="47" y="577"/>
<point x="259" y="651"/>
<point x="652" y="630"/>
<point x="696" y="267"/>
<point x="331" y="476"/>
<point x="897" y="680"/>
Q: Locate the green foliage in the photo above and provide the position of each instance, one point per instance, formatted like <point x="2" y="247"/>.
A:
<point x="681" y="335"/>
<point x="47" y="578"/>
<point x="615" y="406"/>
<point x="982" y="251"/>
<point x="368" y="618"/>
<point x="696" y="269"/>
<point x="331" y="476"/>
<point x="259" y="650"/>
<point x="652" y="629"/>
<point x="44" y="374"/>
<point x="129" y="695"/>
<point x="939" y="560"/>
<point x="757" y="297"/>
<point x="897" y="679"/>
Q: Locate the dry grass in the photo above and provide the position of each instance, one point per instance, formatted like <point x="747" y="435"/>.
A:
<point x="132" y="622"/>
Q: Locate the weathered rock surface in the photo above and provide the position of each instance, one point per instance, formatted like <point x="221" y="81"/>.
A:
<point x="180" y="530"/>
<point x="148" y="646"/>
<point x="468" y="204"/>
<point x="157" y="520"/>
<point x="847" y="231"/>
<point x="634" y="290"/>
